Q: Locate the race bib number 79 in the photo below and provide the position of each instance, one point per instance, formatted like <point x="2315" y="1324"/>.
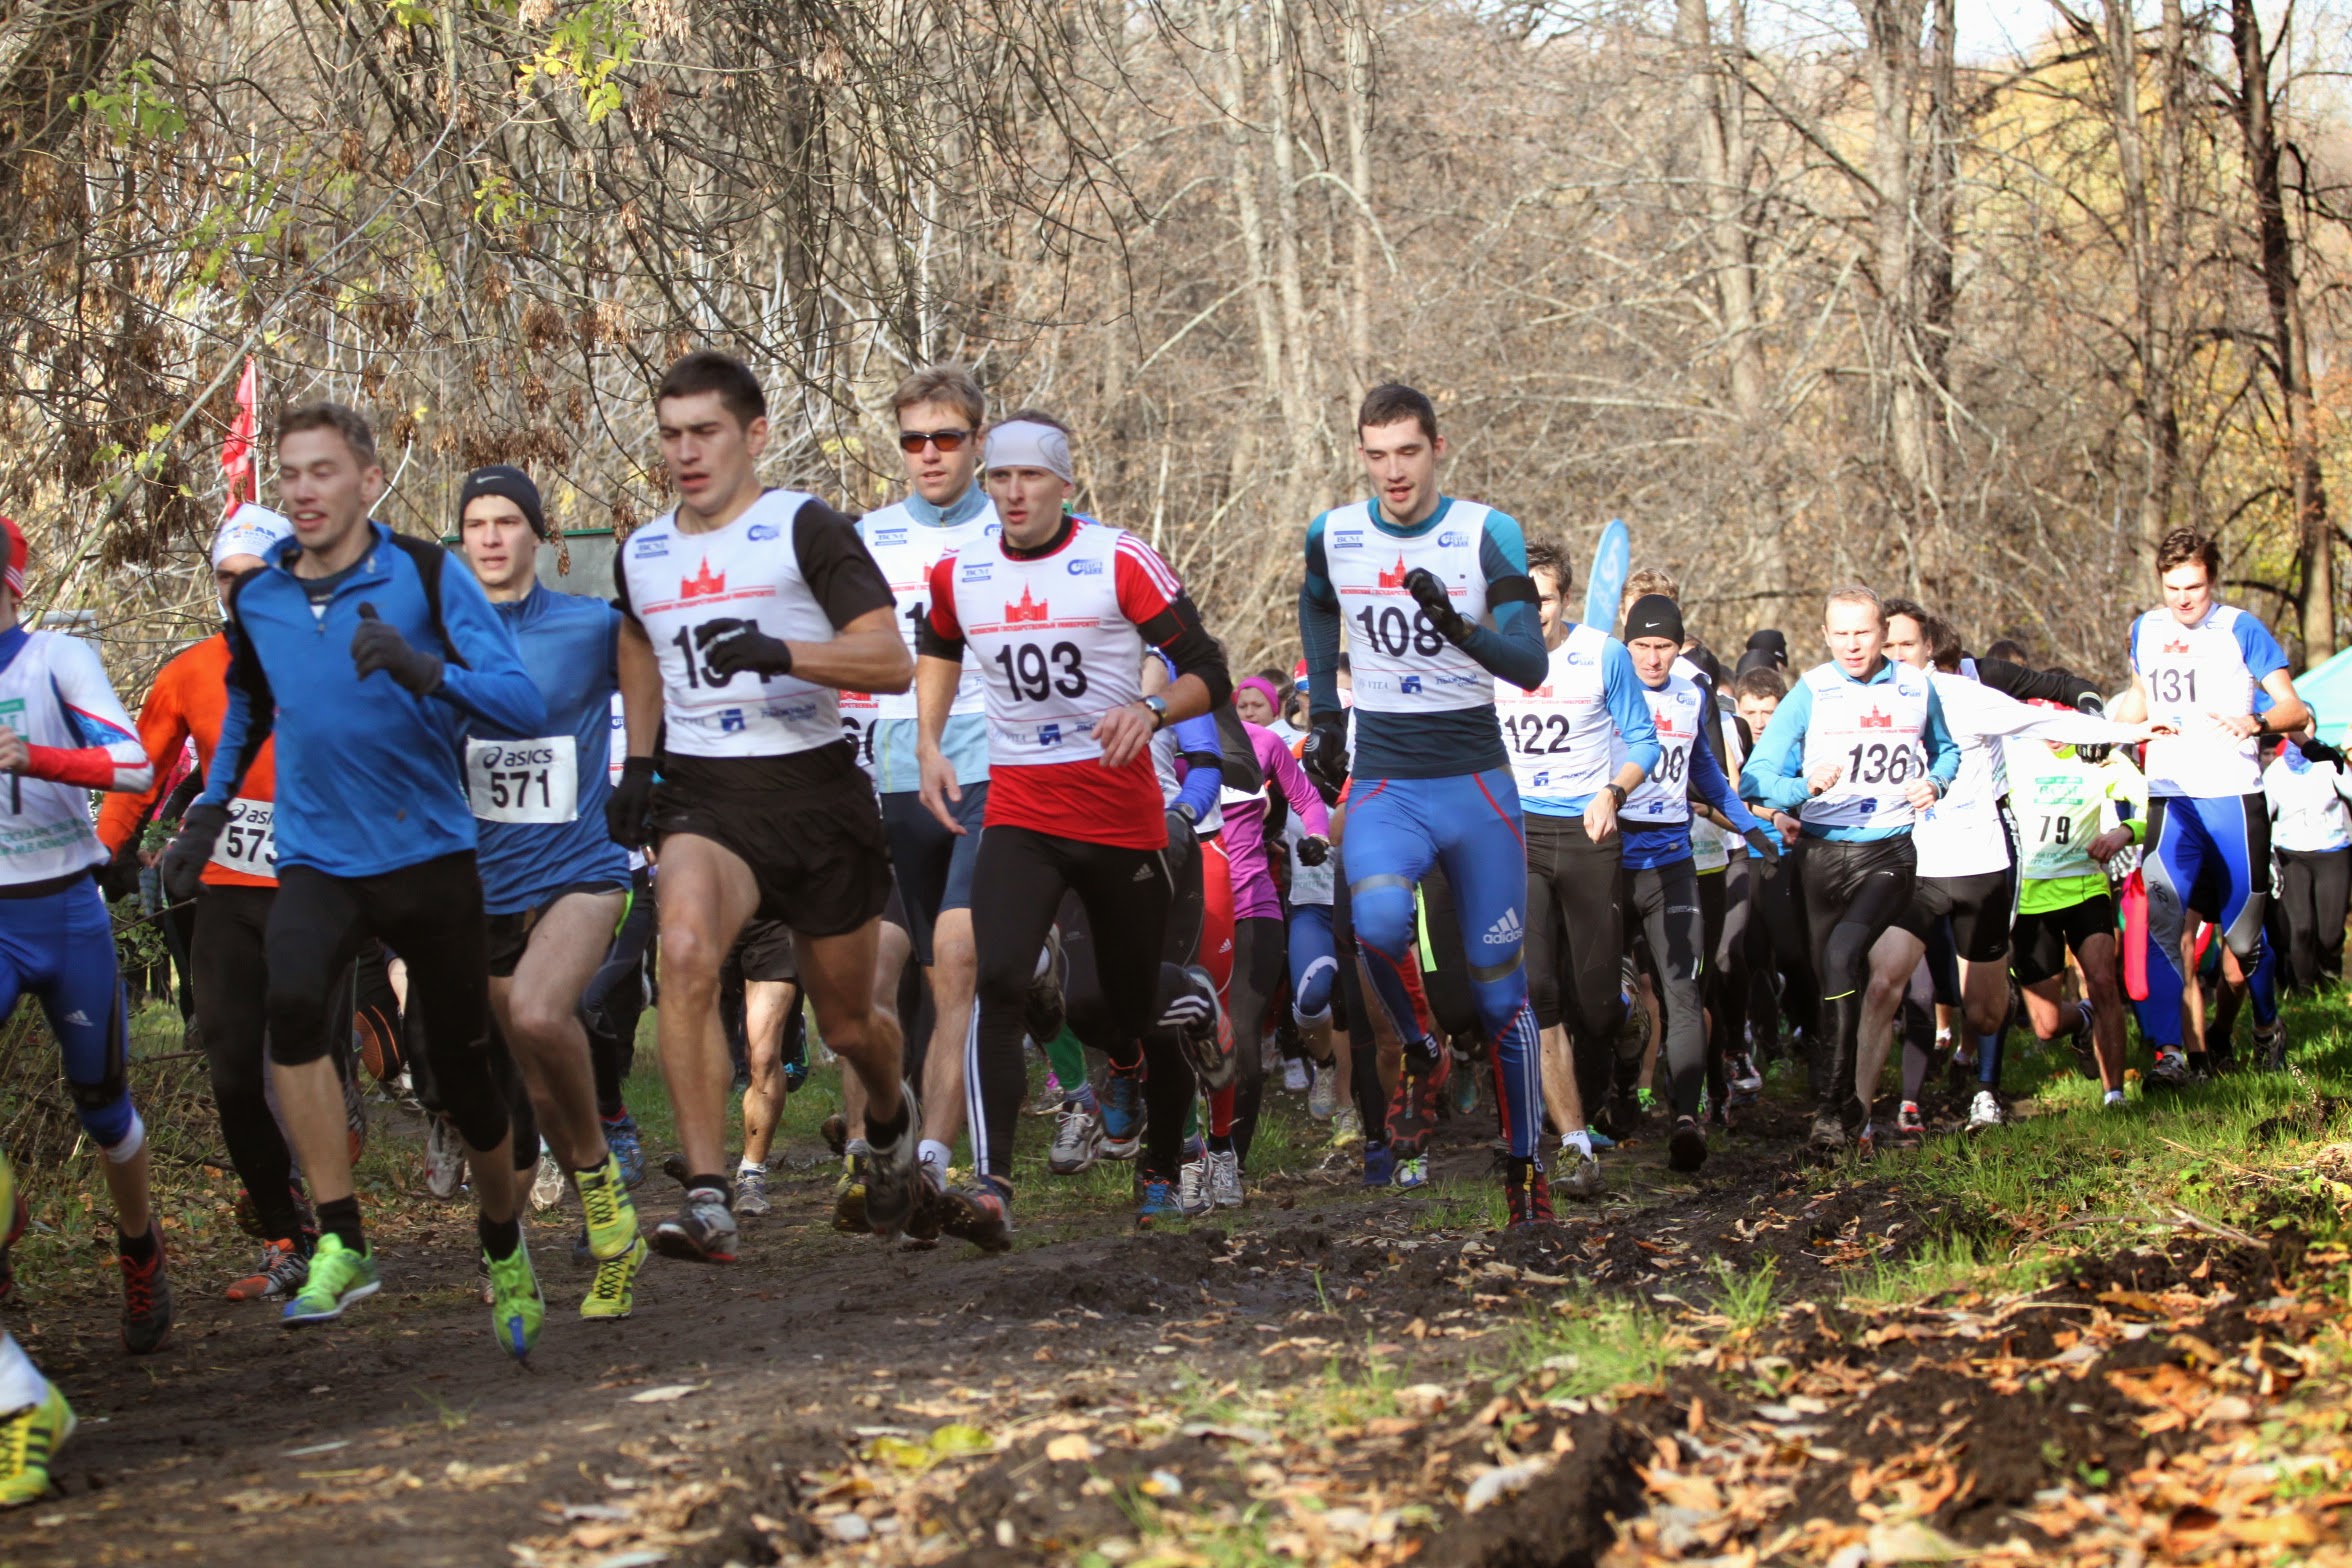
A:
<point x="524" y="780"/>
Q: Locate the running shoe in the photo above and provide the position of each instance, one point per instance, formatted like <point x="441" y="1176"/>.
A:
<point x="1203" y="1033"/>
<point x="280" y="1273"/>
<point x="1051" y="1097"/>
<point x="893" y="1175"/>
<point x="979" y="1214"/>
<point x="29" y="1441"/>
<point x="338" y="1277"/>
<point x="1347" y="1128"/>
<point x="1829" y="1135"/>
<point x="1747" y="1084"/>
<point x="355" y="1116"/>
<point x="2171" y="1069"/>
<point x="1602" y="1143"/>
<point x="1413" y="1171"/>
<point x="1077" y="1140"/>
<point x="751" y="1191"/>
<point x="1985" y="1111"/>
<point x="1623" y="1117"/>
<point x="1323" y="1092"/>
<point x="1043" y="1008"/>
<point x="2114" y="1101"/>
<point x="1380" y="1165"/>
<point x="2086" y="1056"/>
<point x="1465" y="1097"/>
<point x="849" y="1193"/>
<point x="2270" y="1043"/>
<point x="628" y="1152"/>
<point x="444" y="1157"/>
<point x="1866" y="1142"/>
<point x="1686" y="1146"/>
<point x="517" y="1307"/>
<point x="1225" y="1179"/>
<point x="1527" y="1195"/>
<point x="550" y="1184"/>
<point x="147" y="1299"/>
<point x="1580" y="1175"/>
<point x="1294" y="1075"/>
<point x="611" y="1214"/>
<point x="1192" y="1188"/>
<point x="702" y="1231"/>
<point x="1157" y="1200"/>
<point x="1910" y="1126"/>
<point x="612" y="1295"/>
<point x="1122" y="1115"/>
<point x="1647" y="1098"/>
<point x="835" y="1132"/>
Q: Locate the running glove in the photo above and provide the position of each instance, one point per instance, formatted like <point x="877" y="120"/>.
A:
<point x="1437" y="604"/>
<point x="2317" y="750"/>
<point x="2089" y="702"/>
<point x="377" y="646"/>
<point x="1764" y="842"/>
<point x="1326" y="754"/>
<point x="628" y="810"/>
<point x="731" y="645"/>
<point x="185" y="858"/>
<point x="1314" y="849"/>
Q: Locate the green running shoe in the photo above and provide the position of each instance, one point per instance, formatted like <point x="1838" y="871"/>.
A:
<point x="29" y="1440"/>
<point x="612" y="1295"/>
<point x="516" y="1306"/>
<point x="612" y="1213"/>
<point x="338" y="1277"/>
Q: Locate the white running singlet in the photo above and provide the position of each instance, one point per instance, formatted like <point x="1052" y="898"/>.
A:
<point x="1561" y="735"/>
<point x="1871" y="732"/>
<point x="1397" y="661"/>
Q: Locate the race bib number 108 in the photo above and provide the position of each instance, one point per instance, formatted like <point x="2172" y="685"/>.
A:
<point x="524" y="780"/>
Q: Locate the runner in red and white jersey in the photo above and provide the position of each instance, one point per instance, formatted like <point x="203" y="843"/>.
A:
<point x="1057" y="610"/>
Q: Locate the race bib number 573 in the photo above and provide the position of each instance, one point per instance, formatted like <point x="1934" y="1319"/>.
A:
<point x="249" y="843"/>
<point x="524" y="780"/>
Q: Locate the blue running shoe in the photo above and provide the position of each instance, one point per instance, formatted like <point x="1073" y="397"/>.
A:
<point x="1379" y="1166"/>
<point x="620" y="1136"/>
<point x="1122" y="1116"/>
<point x="1600" y="1139"/>
<point x="1159" y="1202"/>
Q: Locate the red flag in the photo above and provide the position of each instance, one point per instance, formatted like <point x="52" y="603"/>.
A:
<point x="237" y="464"/>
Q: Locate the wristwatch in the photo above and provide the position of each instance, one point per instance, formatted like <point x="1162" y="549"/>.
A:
<point x="1159" y="712"/>
<point x="1617" y="790"/>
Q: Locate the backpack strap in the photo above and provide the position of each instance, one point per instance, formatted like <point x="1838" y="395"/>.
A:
<point x="429" y="561"/>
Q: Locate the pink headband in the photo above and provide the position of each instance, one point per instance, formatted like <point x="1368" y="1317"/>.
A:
<point x="1273" y="697"/>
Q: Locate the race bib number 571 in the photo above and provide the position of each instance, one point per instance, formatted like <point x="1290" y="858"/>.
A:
<point x="524" y="780"/>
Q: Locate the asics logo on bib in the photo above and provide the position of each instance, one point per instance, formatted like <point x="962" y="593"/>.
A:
<point x="1506" y="931"/>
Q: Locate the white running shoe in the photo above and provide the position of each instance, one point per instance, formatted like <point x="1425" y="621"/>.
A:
<point x="550" y="1185"/>
<point x="1225" y="1179"/>
<point x="1323" y="1097"/>
<point x="1985" y="1111"/>
<point x="1294" y="1075"/>
<point x="445" y="1167"/>
<point x="1192" y="1187"/>
<point x="1077" y="1141"/>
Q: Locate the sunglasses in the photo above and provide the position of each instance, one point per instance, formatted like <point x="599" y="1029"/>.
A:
<point x="913" y="441"/>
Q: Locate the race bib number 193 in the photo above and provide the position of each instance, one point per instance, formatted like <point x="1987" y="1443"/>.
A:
<point x="524" y="780"/>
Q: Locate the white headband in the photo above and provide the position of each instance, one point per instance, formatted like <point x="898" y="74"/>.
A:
<point x="1024" y="443"/>
<point x="250" y="530"/>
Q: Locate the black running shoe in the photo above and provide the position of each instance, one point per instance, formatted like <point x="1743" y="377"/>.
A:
<point x="702" y="1231"/>
<point x="1686" y="1149"/>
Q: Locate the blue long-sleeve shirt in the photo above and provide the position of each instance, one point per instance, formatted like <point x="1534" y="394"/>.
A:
<point x="1775" y="774"/>
<point x="1662" y="843"/>
<point x="1435" y="744"/>
<point x="369" y="779"/>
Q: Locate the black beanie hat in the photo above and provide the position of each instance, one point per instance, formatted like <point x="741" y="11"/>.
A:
<point x="1770" y="641"/>
<point x="1654" y="615"/>
<point x="501" y="479"/>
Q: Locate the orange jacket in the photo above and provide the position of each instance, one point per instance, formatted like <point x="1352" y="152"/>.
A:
<point x="189" y="697"/>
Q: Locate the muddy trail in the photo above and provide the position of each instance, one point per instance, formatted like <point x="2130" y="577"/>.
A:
<point x="828" y="1397"/>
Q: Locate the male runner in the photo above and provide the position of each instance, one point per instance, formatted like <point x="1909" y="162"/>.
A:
<point x="227" y="972"/>
<point x="63" y="733"/>
<point x="939" y="410"/>
<point x="354" y="646"/>
<point x="1057" y="610"/>
<point x="1660" y="880"/>
<point x="1435" y="596"/>
<point x="554" y="884"/>
<point x="2217" y="677"/>
<point x="1560" y="737"/>
<point x="1857" y="749"/>
<point x="746" y="610"/>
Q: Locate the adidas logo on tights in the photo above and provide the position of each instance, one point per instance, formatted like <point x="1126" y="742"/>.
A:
<point x="1504" y="931"/>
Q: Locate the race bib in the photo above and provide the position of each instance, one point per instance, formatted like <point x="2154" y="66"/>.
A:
<point x="524" y="780"/>
<point x="249" y="843"/>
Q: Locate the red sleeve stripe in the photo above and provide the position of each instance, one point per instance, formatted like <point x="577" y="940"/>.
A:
<point x="1162" y="576"/>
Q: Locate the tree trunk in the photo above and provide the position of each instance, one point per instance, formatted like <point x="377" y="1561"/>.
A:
<point x="1725" y="229"/>
<point x="1360" y="84"/>
<point x="1891" y="64"/>
<point x="2289" y="352"/>
<point x="1301" y="413"/>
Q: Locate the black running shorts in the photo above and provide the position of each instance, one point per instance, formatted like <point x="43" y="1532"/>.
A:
<point x="806" y="824"/>
<point x="2037" y="949"/>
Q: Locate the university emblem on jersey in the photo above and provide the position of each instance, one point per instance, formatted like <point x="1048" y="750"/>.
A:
<point x="704" y="584"/>
<point x="1876" y="719"/>
<point x="1395" y="578"/>
<point x="2176" y="646"/>
<point x="1031" y="611"/>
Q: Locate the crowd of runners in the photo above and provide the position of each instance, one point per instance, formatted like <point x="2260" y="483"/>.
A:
<point x="1472" y="851"/>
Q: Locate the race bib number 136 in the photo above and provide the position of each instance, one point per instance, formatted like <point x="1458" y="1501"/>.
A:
<point x="524" y="780"/>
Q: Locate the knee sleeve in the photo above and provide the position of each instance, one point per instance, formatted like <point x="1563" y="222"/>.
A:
<point x="1311" y="1004"/>
<point x="113" y="1123"/>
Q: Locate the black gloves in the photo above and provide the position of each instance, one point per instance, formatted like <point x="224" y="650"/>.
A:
<point x="376" y="646"/>
<point x="1764" y="842"/>
<point x="1437" y="604"/>
<point x="628" y="810"/>
<point x="185" y="859"/>
<point x="731" y="646"/>
<point x="2317" y="750"/>
<point x="1314" y="849"/>
<point x="1181" y="828"/>
<point x="1325" y="754"/>
<point x="2090" y="702"/>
